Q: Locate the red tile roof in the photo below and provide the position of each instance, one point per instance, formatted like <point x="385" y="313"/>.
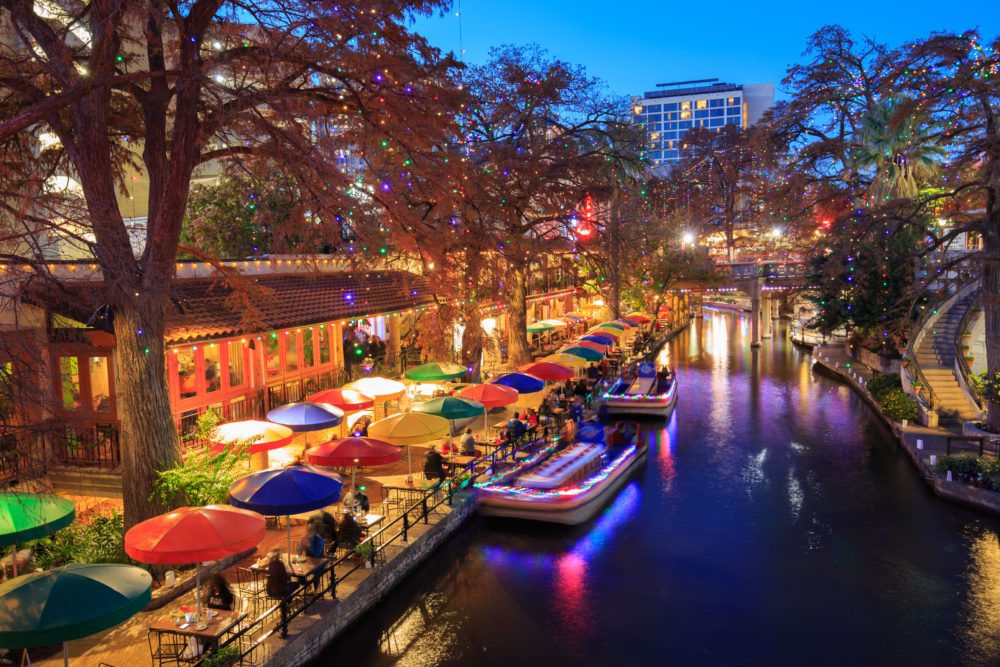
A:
<point x="205" y="308"/>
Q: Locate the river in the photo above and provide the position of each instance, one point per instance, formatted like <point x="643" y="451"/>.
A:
<point x="773" y="522"/>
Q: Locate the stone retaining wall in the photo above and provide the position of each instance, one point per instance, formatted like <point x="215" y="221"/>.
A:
<point x="315" y="639"/>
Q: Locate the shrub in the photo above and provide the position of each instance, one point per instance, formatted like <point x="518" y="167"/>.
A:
<point x="966" y="469"/>
<point x="991" y="387"/>
<point x="883" y="383"/>
<point x="991" y="476"/>
<point x="100" y="541"/>
<point x="897" y="405"/>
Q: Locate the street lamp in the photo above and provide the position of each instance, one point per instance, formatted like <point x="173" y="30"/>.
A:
<point x="687" y="238"/>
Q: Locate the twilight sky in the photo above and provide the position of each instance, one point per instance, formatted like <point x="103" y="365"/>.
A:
<point x="635" y="44"/>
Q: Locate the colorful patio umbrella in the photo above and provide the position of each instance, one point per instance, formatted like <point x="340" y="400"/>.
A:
<point x="583" y="353"/>
<point x="436" y="371"/>
<point x="379" y="388"/>
<point x="609" y="332"/>
<point x="565" y="360"/>
<point x="70" y="602"/>
<point x="589" y="344"/>
<point x="348" y="400"/>
<point x="539" y="327"/>
<point x="645" y="318"/>
<point x="451" y="407"/>
<point x="549" y="371"/>
<point x="192" y="535"/>
<point x="571" y="317"/>
<point x="558" y="324"/>
<point x="611" y="326"/>
<point x="305" y="417"/>
<point x="30" y="516"/>
<point x="603" y="339"/>
<point x="353" y="452"/>
<point x="632" y="320"/>
<point x="409" y="428"/>
<point x="490" y="395"/>
<point x="524" y="383"/>
<point x="625" y="322"/>
<point x="286" y="491"/>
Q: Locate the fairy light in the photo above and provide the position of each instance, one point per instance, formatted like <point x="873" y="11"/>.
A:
<point x="542" y="495"/>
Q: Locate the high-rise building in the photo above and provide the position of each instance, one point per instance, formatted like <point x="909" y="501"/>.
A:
<point x="668" y="112"/>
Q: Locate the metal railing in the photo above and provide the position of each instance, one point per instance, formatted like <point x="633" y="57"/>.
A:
<point x="960" y="352"/>
<point x="87" y="446"/>
<point x="399" y="529"/>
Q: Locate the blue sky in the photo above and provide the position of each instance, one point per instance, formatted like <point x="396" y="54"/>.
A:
<point x="635" y="44"/>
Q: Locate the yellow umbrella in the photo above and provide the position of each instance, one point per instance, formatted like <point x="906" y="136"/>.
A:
<point x="558" y="324"/>
<point x="409" y="428"/>
<point x="566" y="360"/>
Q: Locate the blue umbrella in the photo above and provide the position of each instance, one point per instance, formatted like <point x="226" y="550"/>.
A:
<point x="598" y="338"/>
<point x="304" y="417"/>
<point x="522" y="382"/>
<point x="286" y="491"/>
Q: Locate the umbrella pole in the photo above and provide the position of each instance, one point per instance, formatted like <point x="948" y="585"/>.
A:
<point x="66" y="654"/>
<point x="409" y="465"/>
<point x="288" y="523"/>
<point x="197" y="591"/>
<point x="13" y="560"/>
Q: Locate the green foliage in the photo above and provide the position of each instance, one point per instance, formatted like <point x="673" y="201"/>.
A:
<point x="364" y="550"/>
<point x="242" y="215"/>
<point x="203" y="477"/>
<point x="227" y="655"/>
<point x="100" y="541"/>
<point x="989" y="387"/>
<point x="883" y="383"/>
<point x="898" y="405"/>
<point x="964" y="468"/>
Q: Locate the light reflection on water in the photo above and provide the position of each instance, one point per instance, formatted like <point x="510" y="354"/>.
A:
<point x="774" y="522"/>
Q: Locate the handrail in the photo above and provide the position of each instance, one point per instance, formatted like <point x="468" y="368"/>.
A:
<point x="963" y="365"/>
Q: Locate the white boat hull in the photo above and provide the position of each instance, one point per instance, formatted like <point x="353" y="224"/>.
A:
<point x="569" y="512"/>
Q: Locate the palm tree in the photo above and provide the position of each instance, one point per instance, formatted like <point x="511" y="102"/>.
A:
<point x="896" y="140"/>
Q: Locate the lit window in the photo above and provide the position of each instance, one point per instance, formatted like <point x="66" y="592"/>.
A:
<point x="702" y="104"/>
<point x="308" y="356"/>
<point x="236" y="374"/>
<point x="212" y="370"/>
<point x="685" y="106"/>
<point x="731" y="101"/>
<point x="69" y="373"/>
<point x="100" y="384"/>
<point x="685" y="115"/>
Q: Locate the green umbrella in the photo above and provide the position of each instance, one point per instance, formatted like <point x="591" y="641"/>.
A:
<point x="436" y="371"/>
<point x="583" y="353"/>
<point x="70" y="602"/>
<point x="610" y="325"/>
<point x="30" y="516"/>
<point x="539" y="327"/>
<point x="451" y="407"/>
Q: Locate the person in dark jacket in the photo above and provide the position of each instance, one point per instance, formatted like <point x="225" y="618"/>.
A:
<point x="433" y="465"/>
<point x="349" y="532"/>
<point x="279" y="583"/>
<point x="219" y="595"/>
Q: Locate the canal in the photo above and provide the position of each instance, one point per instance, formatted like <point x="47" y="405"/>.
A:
<point x="774" y="522"/>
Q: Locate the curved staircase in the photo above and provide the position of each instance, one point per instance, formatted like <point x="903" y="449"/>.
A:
<point x="936" y="358"/>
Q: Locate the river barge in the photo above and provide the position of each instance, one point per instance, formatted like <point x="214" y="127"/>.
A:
<point x="641" y="392"/>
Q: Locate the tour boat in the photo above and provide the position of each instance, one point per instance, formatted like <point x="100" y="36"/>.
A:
<point x="568" y="486"/>
<point x="648" y="393"/>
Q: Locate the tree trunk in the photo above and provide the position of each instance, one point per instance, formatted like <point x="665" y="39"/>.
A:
<point x="518" y="351"/>
<point x="990" y="278"/>
<point x="472" y="340"/>
<point x="148" y="437"/>
<point x="615" y="266"/>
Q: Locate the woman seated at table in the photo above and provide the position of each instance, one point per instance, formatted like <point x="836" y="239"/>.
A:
<point x="310" y="544"/>
<point x="279" y="583"/>
<point x="349" y="532"/>
<point x="218" y="594"/>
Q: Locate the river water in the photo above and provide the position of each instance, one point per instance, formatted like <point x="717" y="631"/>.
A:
<point x="773" y="522"/>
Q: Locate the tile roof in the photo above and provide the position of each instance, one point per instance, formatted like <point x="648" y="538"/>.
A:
<point x="205" y="308"/>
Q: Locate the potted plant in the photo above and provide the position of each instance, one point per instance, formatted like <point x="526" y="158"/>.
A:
<point x="917" y="386"/>
<point x="969" y="358"/>
<point x="227" y="656"/>
<point x="966" y="334"/>
<point x="366" y="552"/>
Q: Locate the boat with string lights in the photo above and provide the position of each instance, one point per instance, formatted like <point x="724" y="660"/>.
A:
<point x="567" y="486"/>
<point x="641" y="391"/>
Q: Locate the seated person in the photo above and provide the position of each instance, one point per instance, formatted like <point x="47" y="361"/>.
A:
<point x="218" y="594"/>
<point x="279" y="583"/>
<point x="469" y="444"/>
<point x="311" y="544"/>
<point x="447" y="449"/>
<point x="433" y="465"/>
<point x="361" y="501"/>
<point x="349" y="532"/>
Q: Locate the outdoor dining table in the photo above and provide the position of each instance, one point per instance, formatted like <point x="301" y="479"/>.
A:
<point x="205" y="637"/>
<point x="299" y="568"/>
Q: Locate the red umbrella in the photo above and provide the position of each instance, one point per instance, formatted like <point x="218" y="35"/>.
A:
<point x="348" y="400"/>
<point x="635" y="319"/>
<point x="549" y="371"/>
<point x="353" y="452"/>
<point x="194" y="534"/>
<point x="490" y="395"/>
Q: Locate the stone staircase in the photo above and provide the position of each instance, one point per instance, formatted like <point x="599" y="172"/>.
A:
<point x="936" y="358"/>
<point x="86" y="482"/>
